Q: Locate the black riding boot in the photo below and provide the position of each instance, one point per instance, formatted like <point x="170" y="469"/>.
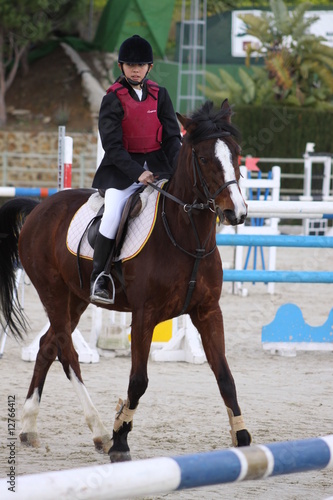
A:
<point x="99" y="282"/>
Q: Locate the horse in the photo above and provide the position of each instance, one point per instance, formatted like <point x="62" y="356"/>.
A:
<point x="178" y="271"/>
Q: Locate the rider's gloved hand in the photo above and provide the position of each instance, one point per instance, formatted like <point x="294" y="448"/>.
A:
<point x="146" y="177"/>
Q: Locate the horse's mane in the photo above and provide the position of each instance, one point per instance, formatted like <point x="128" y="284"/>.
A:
<point x="212" y="123"/>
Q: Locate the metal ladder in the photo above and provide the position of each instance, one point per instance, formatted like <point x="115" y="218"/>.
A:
<point x="192" y="55"/>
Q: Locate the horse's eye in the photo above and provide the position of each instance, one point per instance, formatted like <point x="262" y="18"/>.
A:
<point x="202" y="159"/>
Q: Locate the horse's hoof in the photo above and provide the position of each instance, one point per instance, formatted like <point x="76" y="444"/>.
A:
<point x="243" y="438"/>
<point x="103" y="444"/>
<point x="120" y="456"/>
<point x="30" y="439"/>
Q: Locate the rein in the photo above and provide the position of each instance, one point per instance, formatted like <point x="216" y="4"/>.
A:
<point x="200" y="252"/>
<point x="186" y="206"/>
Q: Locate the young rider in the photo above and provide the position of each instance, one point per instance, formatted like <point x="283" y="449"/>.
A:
<point x="141" y="139"/>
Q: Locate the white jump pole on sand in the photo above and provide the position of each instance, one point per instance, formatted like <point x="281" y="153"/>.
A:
<point x="142" y="478"/>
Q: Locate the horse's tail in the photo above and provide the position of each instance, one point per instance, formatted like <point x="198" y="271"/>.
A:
<point x="12" y="217"/>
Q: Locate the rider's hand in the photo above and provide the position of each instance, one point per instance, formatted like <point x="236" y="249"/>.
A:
<point x="146" y="177"/>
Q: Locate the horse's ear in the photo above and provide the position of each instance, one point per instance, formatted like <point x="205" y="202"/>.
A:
<point x="185" y="122"/>
<point x="227" y="111"/>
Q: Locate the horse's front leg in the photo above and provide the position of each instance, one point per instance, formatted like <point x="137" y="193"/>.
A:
<point x="209" y="323"/>
<point x="141" y="336"/>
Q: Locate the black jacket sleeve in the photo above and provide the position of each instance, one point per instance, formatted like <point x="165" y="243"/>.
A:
<point x="171" y="139"/>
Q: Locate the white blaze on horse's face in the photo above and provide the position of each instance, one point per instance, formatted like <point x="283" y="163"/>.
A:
<point x="223" y="153"/>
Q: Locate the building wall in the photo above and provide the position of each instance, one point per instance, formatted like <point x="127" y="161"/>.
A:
<point x="31" y="159"/>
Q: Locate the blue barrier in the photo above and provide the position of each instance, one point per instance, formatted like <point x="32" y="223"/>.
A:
<point x="288" y="331"/>
<point x="289" y="326"/>
<point x="279" y="240"/>
<point x="166" y="474"/>
<point x="277" y="276"/>
<point x="276" y="241"/>
<point x="255" y="462"/>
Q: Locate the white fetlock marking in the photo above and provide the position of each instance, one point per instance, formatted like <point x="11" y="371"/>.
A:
<point x="236" y="424"/>
<point x="91" y="414"/>
<point x="30" y="413"/>
<point x="123" y="414"/>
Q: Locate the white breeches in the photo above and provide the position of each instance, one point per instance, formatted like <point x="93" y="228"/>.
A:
<point x="114" y="202"/>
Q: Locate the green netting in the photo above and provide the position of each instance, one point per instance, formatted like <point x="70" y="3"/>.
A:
<point x="147" y="18"/>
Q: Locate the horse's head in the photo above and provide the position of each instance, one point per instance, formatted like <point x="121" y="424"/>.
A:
<point x="210" y="138"/>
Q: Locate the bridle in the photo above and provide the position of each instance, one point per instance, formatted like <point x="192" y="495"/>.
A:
<point x="197" y="171"/>
<point x="189" y="209"/>
<point x="210" y="198"/>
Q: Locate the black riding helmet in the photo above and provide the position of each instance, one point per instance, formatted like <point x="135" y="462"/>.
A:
<point x="135" y="50"/>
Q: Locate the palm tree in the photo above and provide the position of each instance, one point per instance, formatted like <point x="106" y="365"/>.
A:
<point x="299" y="65"/>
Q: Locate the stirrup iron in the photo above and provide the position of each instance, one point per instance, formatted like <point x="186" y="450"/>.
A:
<point x="97" y="298"/>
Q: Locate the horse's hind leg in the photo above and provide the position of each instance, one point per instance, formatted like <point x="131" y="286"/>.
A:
<point x="209" y="323"/>
<point x="51" y="345"/>
<point x="46" y="355"/>
<point x="70" y="362"/>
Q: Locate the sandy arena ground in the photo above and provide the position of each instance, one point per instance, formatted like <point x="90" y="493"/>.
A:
<point x="282" y="398"/>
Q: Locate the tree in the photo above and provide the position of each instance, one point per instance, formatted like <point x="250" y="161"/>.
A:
<point x="298" y="64"/>
<point x="24" y="23"/>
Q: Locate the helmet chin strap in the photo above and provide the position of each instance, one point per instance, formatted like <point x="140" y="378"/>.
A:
<point x="134" y="83"/>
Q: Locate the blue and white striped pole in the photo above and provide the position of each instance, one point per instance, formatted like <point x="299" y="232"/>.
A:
<point x="163" y="475"/>
<point x="11" y="192"/>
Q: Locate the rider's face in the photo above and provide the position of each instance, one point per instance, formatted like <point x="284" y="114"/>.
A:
<point x="136" y="72"/>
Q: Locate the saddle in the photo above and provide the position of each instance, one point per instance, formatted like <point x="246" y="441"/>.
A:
<point x="132" y="209"/>
<point x="134" y="229"/>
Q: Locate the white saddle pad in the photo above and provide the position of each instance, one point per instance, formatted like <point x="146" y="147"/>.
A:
<point x="138" y="232"/>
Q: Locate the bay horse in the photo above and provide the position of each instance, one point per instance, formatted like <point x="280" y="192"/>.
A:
<point x="178" y="271"/>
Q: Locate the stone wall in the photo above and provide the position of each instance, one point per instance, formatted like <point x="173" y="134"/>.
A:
<point x="29" y="159"/>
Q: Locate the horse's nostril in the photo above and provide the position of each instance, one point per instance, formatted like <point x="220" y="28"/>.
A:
<point x="230" y="216"/>
<point x="232" y="219"/>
